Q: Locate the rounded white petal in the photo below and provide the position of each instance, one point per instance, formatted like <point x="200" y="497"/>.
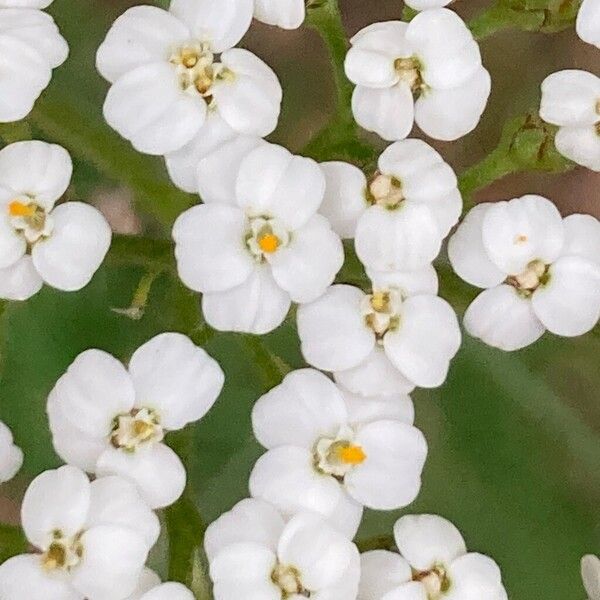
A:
<point x="37" y="169"/>
<point x="468" y="255"/>
<point x="140" y="36"/>
<point x="426" y="341"/>
<point x="428" y="540"/>
<point x="222" y="24"/>
<point x="23" y="577"/>
<point x="285" y="476"/>
<point x="375" y="375"/>
<point x="390" y="476"/>
<point x="287" y="14"/>
<point x="582" y="237"/>
<point x="503" y="319"/>
<point x="273" y="182"/>
<point x="176" y="378"/>
<point x="333" y="334"/>
<point x="380" y="572"/>
<point x="210" y="249"/>
<point x="522" y="230"/>
<point x="425" y="4"/>
<point x="385" y="407"/>
<point x="250" y="102"/>
<point x="94" y="390"/>
<point x="569" y="98"/>
<point x="116" y="501"/>
<point x="345" y="196"/>
<point x="20" y="281"/>
<point x="12" y="245"/>
<point x="569" y="304"/>
<point x="303" y="407"/>
<point x="249" y="521"/>
<point x="169" y="591"/>
<point x="257" y="306"/>
<point x="69" y="257"/>
<point x="449" y="114"/>
<point x="156" y="471"/>
<point x="590" y="573"/>
<point x="307" y="266"/>
<point x="147" y="581"/>
<point x="403" y="239"/>
<point x="111" y="563"/>
<point x="475" y="576"/>
<point x="11" y="456"/>
<point x="346" y="517"/>
<point x="411" y="283"/>
<point x="580" y="144"/>
<point x="388" y="112"/>
<point x="414" y="590"/>
<point x="26" y="3"/>
<point x="588" y="22"/>
<point x="148" y="107"/>
<point x="56" y="500"/>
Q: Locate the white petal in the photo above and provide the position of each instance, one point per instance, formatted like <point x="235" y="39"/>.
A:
<point x="425" y="4"/>
<point x="427" y="339"/>
<point x="273" y="182"/>
<point x="11" y="456"/>
<point x="403" y="239"/>
<point x="590" y="573"/>
<point x="582" y="237"/>
<point x="305" y="406"/>
<point x="387" y="112"/>
<point x="475" y="576"/>
<point x="250" y="102"/>
<point x="287" y="14"/>
<point x="410" y="283"/>
<point x="157" y="472"/>
<point x="23" y="577"/>
<point x="56" y="500"/>
<point x="375" y="375"/>
<point x="345" y="196"/>
<point x="307" y="266"/>
<point x="20" y="281"/>
<point x="380" y="572"/>
<point x="94" y="390"/>
<point x="569" y="304"/>
<point x="169" y="591"/>
<point x="414" y="590"/>
<point x="390" y="477"/>
<point x="111" y="564"/>
<point x="449" y="114"/>
<point x="116" y="501"/>
<point x="467" y="252"/>
<point x="37" y="169"/>
<point x="569" y="98"/>
<point x="176" y="378"/>
<point x="588" y="22"/>
<point x="250" y="520"/>
<point x="210" y="249"/>
<point x="257" y="306"/>
<point x="522" y="230"/>
<point x="147" y="581"/>
<point x="140" y="36"/>
<point x="320" y="553"/>
<point x="388" y="407"/>
<point x="26" y="3"/>
<point x="286" y="477"/>
<point x="148" y="107"/>
<point x="503" y="319"/>
<point x="12" y="245"/>
<point x="222" y="25"/>
<point x="580" y="144"/>
<point x="332" y="331"/>
<point x="346" y="517"/>
<point x="70" y="256"/>
<point x="428" y="540"/>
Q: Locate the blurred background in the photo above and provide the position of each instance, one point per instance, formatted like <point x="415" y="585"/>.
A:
<point x="514" y="438"/>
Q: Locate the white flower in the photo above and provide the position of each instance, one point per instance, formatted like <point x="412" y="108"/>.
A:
<point x="31" y="47"/>
<point x="401" y="216"/>
<point x="257" y="243"/>
<point x="434" y="59"/>
<point x="62" y="246"/>
<point x="254" y="554"/>
<point x="539" y="271"/>
<point x="169" y="70"/>
<point x="288" y="14"/>
<point x="107" y="419"/>
<point x="588" y="22"/>
<point x="92" y="539"/>
<point x="571" y="100"/>
<point x="398" y="337"/>
<point x="427" y="4"/>
<point x="433" y="564"/>
<point x="325" y="444"/>
<point x="150" y="588"/>
<point x="11" y="456"/>
<point x="590" y="573"/>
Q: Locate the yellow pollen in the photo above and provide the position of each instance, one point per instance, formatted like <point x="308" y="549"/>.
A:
<point x="18" y="209"/>
<point x="269" y="243"/>
<point x="142" y="430"/>
<point x="379" y="301"/>
<point x="352" y="455"/>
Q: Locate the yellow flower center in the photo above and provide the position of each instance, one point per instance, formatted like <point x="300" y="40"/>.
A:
<point x="352" y="455"/>
<point x="20" y="209"/>
<point x="269" y="243"/>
